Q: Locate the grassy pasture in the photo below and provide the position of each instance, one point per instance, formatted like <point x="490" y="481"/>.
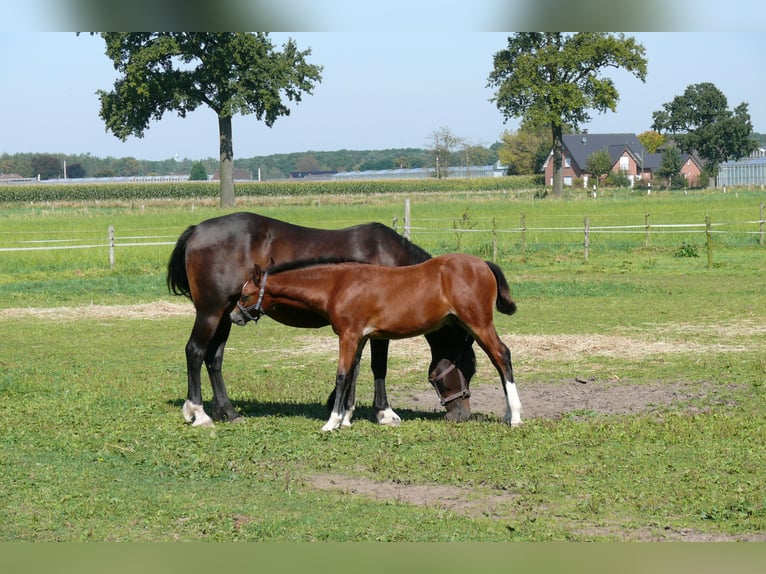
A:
<point x="93" y="445"/>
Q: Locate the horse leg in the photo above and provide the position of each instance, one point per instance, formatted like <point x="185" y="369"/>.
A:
<point x="350" y="350"/>
<point x="222" y="407"/>
<point x="196" y="349"/>
<point x="500" y="356"/>
<point x="384" y="414"/>
<point x="350" y="404"/>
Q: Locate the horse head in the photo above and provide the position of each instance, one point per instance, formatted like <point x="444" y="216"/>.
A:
<point x="452" y="389"/>
<point x="252" y="290"/>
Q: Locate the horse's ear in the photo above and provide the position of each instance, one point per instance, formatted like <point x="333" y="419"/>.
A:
<point x="256" y="273"/>
<point x="272" y="262"/>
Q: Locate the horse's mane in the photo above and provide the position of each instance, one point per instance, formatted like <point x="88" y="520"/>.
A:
<point x="313" y="262"/>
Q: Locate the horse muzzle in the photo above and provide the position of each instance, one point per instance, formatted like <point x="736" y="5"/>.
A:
<point x="240" y="315"/>
<point x="238" y="318"/>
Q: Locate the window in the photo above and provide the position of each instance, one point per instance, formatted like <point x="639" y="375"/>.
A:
<point x="624" y="163"/>
<point x="567" y="161"/>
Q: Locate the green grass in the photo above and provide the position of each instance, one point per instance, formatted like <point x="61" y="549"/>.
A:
<point x="93" y="445"/>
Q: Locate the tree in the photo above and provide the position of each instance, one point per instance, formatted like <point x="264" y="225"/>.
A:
<point x="46" y="166"/>
<point x="651" y="140"/>
<point x="599" y="164"/>
<point x="75" y="171"/>
<point x="307" y="162"/>
<point x="702" y="123"/>
<point x="552" y="78"/>
<point x="442" y="142"/>
<point x="198" y="172"/>
<point x="671" y="164"/>
<point x="233" y="72"/>
<point x="525" y="151"/>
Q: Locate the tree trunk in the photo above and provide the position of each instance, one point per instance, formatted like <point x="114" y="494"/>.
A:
<point x="227" y="161"/>
<point x="558" y="169"/>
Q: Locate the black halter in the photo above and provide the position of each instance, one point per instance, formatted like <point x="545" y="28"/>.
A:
<point x="257" y="308"/>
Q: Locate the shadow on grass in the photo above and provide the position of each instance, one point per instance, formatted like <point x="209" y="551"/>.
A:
<point x="313" y="411"/>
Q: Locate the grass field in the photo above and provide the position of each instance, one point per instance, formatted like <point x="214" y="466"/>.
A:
<point x="92" y="378"/>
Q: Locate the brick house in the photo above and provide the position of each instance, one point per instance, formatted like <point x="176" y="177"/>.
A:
<point x="628" y="155"/>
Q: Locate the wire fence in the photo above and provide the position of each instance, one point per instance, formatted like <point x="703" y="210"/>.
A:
<point x="437" y="235"/>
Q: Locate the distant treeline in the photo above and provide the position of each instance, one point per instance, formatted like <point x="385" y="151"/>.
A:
<point x="277" y="166"/>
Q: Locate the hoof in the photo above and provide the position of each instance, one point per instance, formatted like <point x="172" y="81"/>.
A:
<point x="196" y="415"/>
<point x="203" y="422"/>
<point x="513" y="423"/>
<point x="388" y="418"/>
<point x="334" y="422"/>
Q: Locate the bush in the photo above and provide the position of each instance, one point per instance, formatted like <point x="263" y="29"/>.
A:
<point x="686" y="250"/>
<point x="617" y="179"/>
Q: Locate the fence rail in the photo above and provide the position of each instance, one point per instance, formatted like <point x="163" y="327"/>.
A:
<point x="443" y="227"/>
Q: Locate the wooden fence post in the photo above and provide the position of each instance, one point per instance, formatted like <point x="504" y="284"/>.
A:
<point x="587" y="237"/>
<point x="494" y="240"/>
<point x="760" y="224"/>
<point x="709" y="242"/>
<point x="111" y="246"/>
<point x="647" y="237"/>
<point x="407" y="218"/>
<point x="523" y="235"/>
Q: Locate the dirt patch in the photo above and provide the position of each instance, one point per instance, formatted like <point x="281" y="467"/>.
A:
<point x="579" y="399"/>
<point x="158" y="310"/>
<point x="464" y="501"/>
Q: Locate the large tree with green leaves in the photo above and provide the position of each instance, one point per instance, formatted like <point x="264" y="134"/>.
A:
<point x="701" y="123"/>
<point x="553" y="78"/>
<point x="233" y="72"/>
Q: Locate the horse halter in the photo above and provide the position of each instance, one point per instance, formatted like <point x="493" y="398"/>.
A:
<point x="258" y="304"/>
<point x="463" y="393"/>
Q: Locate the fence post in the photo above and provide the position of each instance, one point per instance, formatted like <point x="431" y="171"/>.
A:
<point x="647" y="238"/>
<point x="709" y="242"/>
<point x="587" y="236"/>
<point x="760" y="224"/>
<point x="494" y="240"/>
<point x="111" y="246"/>
<point x="523" y="235"/>
<point x="407" y="218"/>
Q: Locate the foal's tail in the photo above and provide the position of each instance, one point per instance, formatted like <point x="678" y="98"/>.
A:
<point x="177" y="280"/>
<point x="504" y="303"/>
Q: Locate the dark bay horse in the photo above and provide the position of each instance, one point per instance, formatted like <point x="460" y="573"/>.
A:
<point x="212" y="259"/>
<point x="370" y="302"/>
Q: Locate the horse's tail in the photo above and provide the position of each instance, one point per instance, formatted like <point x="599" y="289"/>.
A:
<point x="177" y="280"/>
<point x="504" y="303"/>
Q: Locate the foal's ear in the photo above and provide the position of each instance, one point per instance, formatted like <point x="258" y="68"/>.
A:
<point x="256" y="273"/>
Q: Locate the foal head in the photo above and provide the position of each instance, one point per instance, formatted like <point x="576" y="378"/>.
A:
<point x="453" y="391"/>
<point x="249" y="305"/>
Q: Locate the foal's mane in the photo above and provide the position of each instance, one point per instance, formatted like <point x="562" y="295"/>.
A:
<point x="313" y="262"/>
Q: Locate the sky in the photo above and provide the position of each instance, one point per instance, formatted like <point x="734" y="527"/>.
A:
<point x="380" y="89"/>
